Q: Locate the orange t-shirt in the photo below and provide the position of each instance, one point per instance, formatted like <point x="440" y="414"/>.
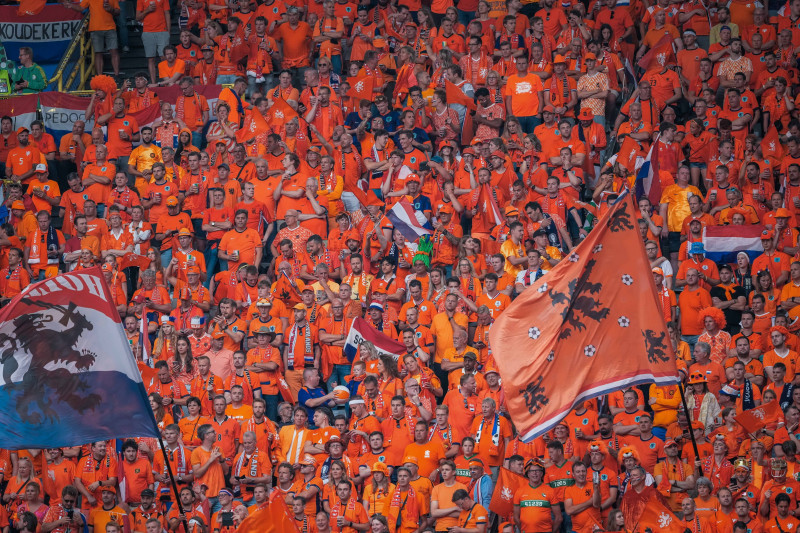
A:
<point x="524" y="92"/>
<point x="154" y="21"/>
<point x="213" y="478"/>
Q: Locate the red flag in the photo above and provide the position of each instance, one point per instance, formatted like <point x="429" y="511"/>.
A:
<point x="758" y="418"/>
<point x="503" y="496"/>
<point x="457" y="96"/>
<point x="274" y="518"/>
<point x="489" y="204"/>
<point x="361" y="87"/>
<point x="661" y="54"/>
<point x="468" y="131"/>
<point x="569" y="326"/>
<point x="133" y="260"/>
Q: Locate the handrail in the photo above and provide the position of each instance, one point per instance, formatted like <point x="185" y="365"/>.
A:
<point x="77" y="41"/>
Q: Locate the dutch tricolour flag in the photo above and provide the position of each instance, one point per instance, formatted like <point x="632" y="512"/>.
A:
<point x="410" y="222"/>
<point x="722" y="243"/>
<point x="361" y="331"/>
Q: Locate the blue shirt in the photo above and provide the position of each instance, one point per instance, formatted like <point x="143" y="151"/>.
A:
<point x="307" y="394"/>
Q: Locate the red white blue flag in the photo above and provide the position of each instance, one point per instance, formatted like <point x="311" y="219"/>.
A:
<point x="361" y="331"/>
<point x="67" y="374"/>
<point x="410" y="222"/>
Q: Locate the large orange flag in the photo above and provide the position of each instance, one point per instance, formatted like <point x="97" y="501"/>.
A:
<point x="771" y="144"/>
<point x="280" y="113"/>
<point x="588" y="327"/>
<point x="758" y="418"/>
<point x="361" y="87"/>
<point x="274" y="518"/>
<point x="648" y="511"/>
<point x="507" y="484"/>
<point x="457" y="96"/>
<point x="661" y="54"/>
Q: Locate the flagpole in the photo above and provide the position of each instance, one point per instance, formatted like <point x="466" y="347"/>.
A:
<point x="172" y="479"/>
<point x="691" y="429"/>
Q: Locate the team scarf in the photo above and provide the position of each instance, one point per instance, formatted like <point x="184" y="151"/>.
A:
<point x="494" y="449"/>
<point x="180" y="106"/>
<point x="293" y="340"/>
<point x="251" y="463"/>
<point x="181" y="465"/>
<point x="377" y="404"/>
<point x="400" y="503"/>
<point x="361" y="283"/>
<point x="252" y="425"/>
<point x="445" y="434"/>
<point x="747" y="395"/>
<point x="336" y="510"/>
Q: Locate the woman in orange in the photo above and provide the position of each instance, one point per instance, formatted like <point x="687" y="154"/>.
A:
<point x="191" y="422"/>
<point x="183" y="367"/>
<point x="437" y="287"/>
<point x="155" y="265"/>
<point x="377" y="494"/>
<point x="15" y="490"/>
<point x="765" y="288"/>
<point x="496" y="90"/>
<point x="163" y="418"/>
<point x="730" y="430"/>
<point x="698" y="140"/>
<point x="470" y="249"/>
<point x="223" y="129"/>
<point x="470" y="284"/>
<point x="389" y="383"/>
<point x="368" y="354"/>
<point x="513" y="137"/>
<point x="616" y="522"/>
<point x="164" y="346"/>
<point x="338" y="472"/>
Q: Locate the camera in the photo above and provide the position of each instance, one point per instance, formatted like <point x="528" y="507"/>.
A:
<point x="424" y="166"/>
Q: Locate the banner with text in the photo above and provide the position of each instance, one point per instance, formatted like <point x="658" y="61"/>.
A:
<point x="48" y="33"/>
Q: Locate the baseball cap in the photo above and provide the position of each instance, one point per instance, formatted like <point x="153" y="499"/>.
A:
<point x="263" y="302"/>
<point x="585" y="114"/>
<point x="193" y="270"/>
<point x="172" y="201"/>
<point x="446" y="208"/>
<point x="18" y="204"/>
<point x="549" y="108"/>
<point x="22" y="129"/>
<point x="41" y="167"/>
<point x="183" y="232"/>
<point x="300" y="307"/>
<point x="767" y="234"/>
<point x="498" y="153"/>
<point x="658" y="270"/>
<point x="590" y="57"/>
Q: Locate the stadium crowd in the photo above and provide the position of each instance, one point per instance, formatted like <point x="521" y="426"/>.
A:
<point x="241" y="242"/>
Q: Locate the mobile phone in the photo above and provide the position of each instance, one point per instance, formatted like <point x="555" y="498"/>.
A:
<point x="424" y="166"/>
<point x="227" y="518"/>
